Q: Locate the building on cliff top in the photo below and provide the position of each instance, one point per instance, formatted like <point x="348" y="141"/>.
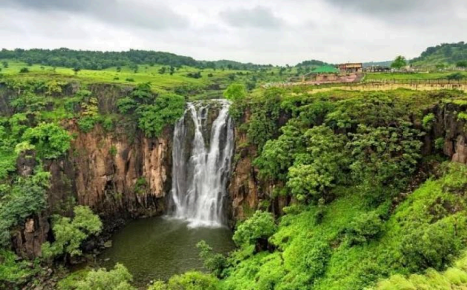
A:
<point x="351" y="68"/>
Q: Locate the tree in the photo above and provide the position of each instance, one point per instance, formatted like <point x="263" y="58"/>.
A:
<point x="235" y="92"/>
<point x="255" y="230"/>
<point x="162" y="70"/>
<point x="462" y="64"/>
<point x="322" y="167"/>
<point x="76" y="70"/>
<point x="50" y="140"/>
<point x="69" y="233"/>
<point x="119" y="279"/>
<point x="24" y="198"/>
<point x="23" y="70"/>
<point x="399" y="62"/>
<point x="5" y="64"/>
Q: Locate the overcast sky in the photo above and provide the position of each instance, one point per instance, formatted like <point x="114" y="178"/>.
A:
<point x="259" y="31"/>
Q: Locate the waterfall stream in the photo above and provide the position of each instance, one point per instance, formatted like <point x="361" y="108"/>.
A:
<point x="201" y="164"/>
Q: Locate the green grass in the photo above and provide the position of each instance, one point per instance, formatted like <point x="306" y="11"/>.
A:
<point x="146" y="73"/>
<point x="408" y="76"/>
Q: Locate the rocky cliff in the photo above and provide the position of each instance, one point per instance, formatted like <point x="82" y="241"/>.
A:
<point x="447" y="136"/>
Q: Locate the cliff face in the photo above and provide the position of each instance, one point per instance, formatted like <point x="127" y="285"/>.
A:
<point x="123" y="175"/>
<point x="117" y="178"/>
<point x="449" y="129"/>
<point x="247" y="191"/>
<point x="113" y="176"/>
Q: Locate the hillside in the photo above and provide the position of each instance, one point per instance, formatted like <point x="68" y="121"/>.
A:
<point x="446" y="53"/>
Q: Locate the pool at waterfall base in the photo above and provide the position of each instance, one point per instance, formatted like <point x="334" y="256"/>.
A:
<point x="157" y="248"/>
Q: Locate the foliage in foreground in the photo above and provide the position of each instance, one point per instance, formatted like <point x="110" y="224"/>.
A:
<point x="116" y="279"/>
<point x="188" y="281"/>
<point x="350" y="244"/>
<point x="453" y="278"/>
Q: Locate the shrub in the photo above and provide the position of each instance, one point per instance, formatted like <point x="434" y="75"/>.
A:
<point x="364" y="228"/>
<point x="50" y="140"/>
<point x="188" y="281"/>
<point x="427" y="121"/>
<point x="213" y="262"/>
<point x="152" y="112"/>
<point x="439" y="144"/>
<point x="13" y="271"/>
<point x="235" y="92"/>
<point x="118" y="278"/>
<point x="193" y="281"/>
<point x="86" y="124"/>
<point x="432" y="246"/>
<point x="69" y="233"/>
<point x="321" y="168"/>
<point x="24" y="198"/>
<point x="256" y="229"/>
<point x="23" y="70"/>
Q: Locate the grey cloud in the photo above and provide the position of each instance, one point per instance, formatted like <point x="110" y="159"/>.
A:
<point x="110" y="11"/>
<point x="259" y="17"/>
<point x="388" y="7"/>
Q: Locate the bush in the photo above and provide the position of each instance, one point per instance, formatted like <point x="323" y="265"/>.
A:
<point x="23" y="70"/>
<point x="235" y="92"/>
<point x="12" y="270"/>
<point x="193" y="281"/>
<point x="321" y="167"/>
<point x="50" y="140"/>
<point x="87" y="123"/>
<point x="118" y="278"/>
<point x="256" y="229"/>
<point x="213" y="262"/>
<point x="364" y="228"/>
<point x="427" y="121"/>
<point x="188" y="281"/>
<point x="152" y="113"/>
<point x="455" y="76"/>
<point x="21" y="200"/>
<point x="69" y="233"/>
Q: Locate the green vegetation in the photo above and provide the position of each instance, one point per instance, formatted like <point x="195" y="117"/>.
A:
<point x="21" y="199"/>
<point x="347" y="160"/>
<point x="69" y="233"/>
<point x="188" y="281"/>
<point x="364" y="204"/>
<point x="235" y="92"/>
<point x="453" y="278"/>
<point x="118" y="278"/>
<point x="354" y="243"/>
<point x="152" y="112"/>
<point x="444" y="54"/>
<point x="12" y="271"/>
<point x="399" y="62"/>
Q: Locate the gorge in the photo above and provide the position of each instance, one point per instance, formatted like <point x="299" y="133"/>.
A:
<point x="216" y="164"/>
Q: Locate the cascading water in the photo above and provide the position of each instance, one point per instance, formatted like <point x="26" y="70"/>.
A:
<point x="201" y="169"/>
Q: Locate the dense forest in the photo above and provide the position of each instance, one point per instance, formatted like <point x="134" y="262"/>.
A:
<point x="97" y="60"/>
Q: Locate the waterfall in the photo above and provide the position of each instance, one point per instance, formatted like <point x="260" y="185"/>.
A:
<point x="201" y="164"/>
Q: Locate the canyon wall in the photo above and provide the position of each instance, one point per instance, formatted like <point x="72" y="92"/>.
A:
<point x="123" y="175"/>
